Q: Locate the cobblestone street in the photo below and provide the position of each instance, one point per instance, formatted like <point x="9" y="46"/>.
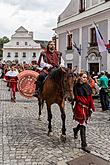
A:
<point x="24" y="140"/>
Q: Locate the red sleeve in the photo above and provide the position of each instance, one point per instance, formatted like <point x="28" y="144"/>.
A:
<point x="91" y="103"/>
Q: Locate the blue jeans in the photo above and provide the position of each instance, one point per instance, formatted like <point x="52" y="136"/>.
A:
<point x="104" y="99"/>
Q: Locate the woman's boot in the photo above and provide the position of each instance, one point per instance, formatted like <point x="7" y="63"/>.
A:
<point x="83" y="139"/>
<point x="75" y="130"/>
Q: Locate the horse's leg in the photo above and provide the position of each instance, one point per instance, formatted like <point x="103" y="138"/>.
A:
<point x="40" y="108"/>
<point x="63" y="117"/>
<point x="49" y="119"/>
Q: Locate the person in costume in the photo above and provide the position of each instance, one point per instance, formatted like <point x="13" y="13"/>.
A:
<point x="84" y="106"/>
<point x="49" y="59"/>
<point x="12" y="79"/>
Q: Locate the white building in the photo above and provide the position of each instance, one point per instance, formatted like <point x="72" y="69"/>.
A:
<point x="22" y="47"/>
<point x="78" y="19"/>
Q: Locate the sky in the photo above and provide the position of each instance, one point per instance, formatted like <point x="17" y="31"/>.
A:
<point x="39" y="16"/>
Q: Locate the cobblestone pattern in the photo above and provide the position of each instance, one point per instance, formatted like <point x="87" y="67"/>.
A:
<point x="24" y="140"/>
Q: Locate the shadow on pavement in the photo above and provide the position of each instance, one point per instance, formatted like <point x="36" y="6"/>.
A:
<point x="88" y="159"/>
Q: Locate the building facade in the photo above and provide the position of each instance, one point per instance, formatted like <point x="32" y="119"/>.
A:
<point x="21" y="48"/>
<point x="75" y="26"/>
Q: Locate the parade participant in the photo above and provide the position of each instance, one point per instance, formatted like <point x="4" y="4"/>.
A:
<point x="48" y="60"/>
<point x="83" y="108"/>
<point x="91" y="82"/>
<point x="103" y="84"/>
<point x="12" y="79"/>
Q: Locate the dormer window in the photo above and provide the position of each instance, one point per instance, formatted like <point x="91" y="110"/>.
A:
<point x="69" y="42"/>
<point x="81" y="6"/>
<point x="17" y="43"/>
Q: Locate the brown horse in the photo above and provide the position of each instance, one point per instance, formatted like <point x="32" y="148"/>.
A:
<point x="58" y="84"/>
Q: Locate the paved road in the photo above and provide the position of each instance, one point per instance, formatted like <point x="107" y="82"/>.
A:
<point x="24" y="140"/>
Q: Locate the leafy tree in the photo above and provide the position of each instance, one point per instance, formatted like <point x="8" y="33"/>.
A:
<point x="3" y="41"/>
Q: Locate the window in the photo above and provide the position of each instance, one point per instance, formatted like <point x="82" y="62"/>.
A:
<point x="69" y="42"/>
<point x="17" y="43"/>
<point x="93" y="40"/>
<point x="34" y="54"/>
<point x="82" y="6"/>
<point x="24" y="54"/>
<point x="16" y="54"/>
<point x="25" y="43"/>
<point x="8" y="54"/>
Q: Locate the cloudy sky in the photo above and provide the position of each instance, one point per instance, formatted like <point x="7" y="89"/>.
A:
<point x="39" y="16"/>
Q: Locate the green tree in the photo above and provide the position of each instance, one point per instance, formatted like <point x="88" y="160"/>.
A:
<point x="3" y="41"/>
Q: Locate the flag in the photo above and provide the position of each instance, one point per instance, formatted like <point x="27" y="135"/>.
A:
<point x="100" y="40"/>
<point x="77" y="48"/>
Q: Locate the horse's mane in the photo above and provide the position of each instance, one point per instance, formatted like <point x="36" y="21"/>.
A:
<point x="57" y="75"/>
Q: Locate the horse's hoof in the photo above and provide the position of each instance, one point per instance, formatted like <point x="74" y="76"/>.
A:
<point x="50" y="134"/>
<point x="63" y="138"/>
<point x="39" y="118"/>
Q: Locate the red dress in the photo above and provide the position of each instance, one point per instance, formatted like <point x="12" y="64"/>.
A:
<point x="84" y="102"/>
<point x="13" y="83"/>
<point x="12" y="79"/>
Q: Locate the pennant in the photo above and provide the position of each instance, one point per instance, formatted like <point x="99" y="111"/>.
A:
<point x="100" y="40"/>
<point x="77" y="48"/>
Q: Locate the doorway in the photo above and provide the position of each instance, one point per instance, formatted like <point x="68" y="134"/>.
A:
<point x="69" y="65"/>
<point x="94" y="68"/>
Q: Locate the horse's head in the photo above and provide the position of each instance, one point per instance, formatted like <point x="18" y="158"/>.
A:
<point x="64" y="79"/>
<point x="70" y="80"/>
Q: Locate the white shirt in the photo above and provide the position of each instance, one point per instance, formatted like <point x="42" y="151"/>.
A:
<point x="44" y="64"/>
<point x="11" y="73"/>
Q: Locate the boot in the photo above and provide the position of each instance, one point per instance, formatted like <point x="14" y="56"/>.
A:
<point x="83" y="139"/>
<point x="37" y="93"/>
<point x="75" y="130"/>
<point x="37" y="90"/>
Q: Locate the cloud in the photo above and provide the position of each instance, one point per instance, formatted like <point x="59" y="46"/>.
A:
<point x="39" y="16"/>
<point x="44" y="5"/>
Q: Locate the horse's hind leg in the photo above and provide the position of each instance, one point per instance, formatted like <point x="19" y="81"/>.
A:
<point x="40" y="108"/>
<point x="49" y="119"/>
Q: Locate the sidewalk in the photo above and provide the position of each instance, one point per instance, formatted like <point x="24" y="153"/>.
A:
<point x="24" y="140"/>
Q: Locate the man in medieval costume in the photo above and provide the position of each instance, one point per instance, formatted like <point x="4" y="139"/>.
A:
<point x="49" y="60"/>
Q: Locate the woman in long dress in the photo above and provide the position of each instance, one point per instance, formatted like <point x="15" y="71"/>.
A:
<point x="83" y="108"/>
